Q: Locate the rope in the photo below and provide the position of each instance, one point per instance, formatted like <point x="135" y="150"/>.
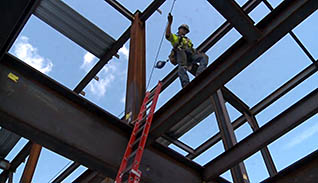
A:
<point x="157" y="55"/>
<point x="159" y="48"/>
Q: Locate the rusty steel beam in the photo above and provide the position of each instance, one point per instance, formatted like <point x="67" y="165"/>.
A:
<point x="280" y="125"/>
<point x="14" y="15"/>
<point x="285" y="88"/>
<point x="124" y="11"/>
<point x="304" y="171"/>
<point x="236" y="16"/>
<point x="239" y="173"/>
<point x="115" y="47"/>
<point x="136" y="77"/>
<point x="274" y="26"/>
<point x="210" y="41"/>
<point x="39" y="109"/>
<point x="31" y="164"/>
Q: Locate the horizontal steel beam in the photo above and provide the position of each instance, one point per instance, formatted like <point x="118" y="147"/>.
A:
<point x="281" y="124"/>
<point x="74" y="26"/>
<point x="304" y="171"/>
<point x="236" y="16"/>
<point x="38" y="108"/>
<point x="124" y="11"/>
<point x="13" y="16"/>
<point x="274" y="26"/>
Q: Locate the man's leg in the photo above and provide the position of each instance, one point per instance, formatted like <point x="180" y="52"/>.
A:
<point x="182" y="71"/>
<point x="202" y="59"/>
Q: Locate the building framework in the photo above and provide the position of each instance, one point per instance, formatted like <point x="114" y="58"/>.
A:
<point x="38" y="108"/>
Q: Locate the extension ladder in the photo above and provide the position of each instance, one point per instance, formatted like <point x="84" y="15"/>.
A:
<point x="129" y="168"/>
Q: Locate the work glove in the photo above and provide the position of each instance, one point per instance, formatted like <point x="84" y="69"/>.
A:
<point x="170" y="18"/>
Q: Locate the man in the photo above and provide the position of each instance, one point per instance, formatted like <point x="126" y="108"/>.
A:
<point x="184" y="53"/>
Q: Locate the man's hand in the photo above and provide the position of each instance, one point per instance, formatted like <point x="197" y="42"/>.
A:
<point x="170" y="18"/>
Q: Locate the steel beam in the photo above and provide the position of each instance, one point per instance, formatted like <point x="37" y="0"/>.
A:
<point x="16" y="162"/>
<point x="116" y="46"/>
<point x="38" y="108"/>
<point x="269" y="163"/>
<point x="236" y="16"/>
<point x="210" y="41"/>
<point x="285" y="88"/>
<point x="104" y="60"/>
<point x="14" y="15"/>
<point x="151" y="9"/>
<point x="136" y="77"/>
<point x="304" y="170"/>
<point x="31" y="164"/>
<point x="238" y="172"/>
<point x="124" y="11"/>
<point x="274" y="26"/>
<point x="281" y="124"/>
<point x="66" y="173"/>
<point x="236" y="102"/>
<point x="7" y="142"/>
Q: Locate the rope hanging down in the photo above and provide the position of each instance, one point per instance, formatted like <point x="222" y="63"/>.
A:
<point x="157" y="55"/>
<point x="159" y="48"/>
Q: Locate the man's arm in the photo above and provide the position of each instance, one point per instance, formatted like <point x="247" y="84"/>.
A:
<point x="168" y="29"/>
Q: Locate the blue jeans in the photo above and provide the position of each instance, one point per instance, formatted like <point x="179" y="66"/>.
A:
<point x="187" y="58"/>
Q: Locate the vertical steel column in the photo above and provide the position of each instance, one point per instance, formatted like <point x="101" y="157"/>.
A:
<point x="136" y="81"/>
<point x="31" y="164"/>
<point x="238" y="172"/>
<point x="265" y="152"/>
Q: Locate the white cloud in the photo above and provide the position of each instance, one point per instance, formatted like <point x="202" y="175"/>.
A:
<point x="88" y="61"/>
<point x="106" y="75"/>
<point x="100" y="87"/>
<point x="303" y="136"/>
<point x="29" y="54"/>
<point x="124" y="51"/>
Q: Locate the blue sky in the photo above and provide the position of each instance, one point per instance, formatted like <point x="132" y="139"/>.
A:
<point x="55" y="55"/>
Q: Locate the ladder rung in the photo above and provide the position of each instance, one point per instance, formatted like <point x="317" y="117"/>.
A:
<point x="140" y="129"/>
<point x="127" y="169"/>
<point x="136" y="142"/>
<point x="133" y="154"/>
<point x="150" y="98"/>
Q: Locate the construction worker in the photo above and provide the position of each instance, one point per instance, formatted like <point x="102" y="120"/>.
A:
<point x="183" y="52"/>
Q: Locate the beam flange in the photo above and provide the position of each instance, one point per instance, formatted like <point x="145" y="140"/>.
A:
<point x="51" y="115"/>
<point x="283" y="123"/>
<point x="124" y="11"/>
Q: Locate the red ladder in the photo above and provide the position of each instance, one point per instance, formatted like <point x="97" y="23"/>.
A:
<point x="129" y="168"/>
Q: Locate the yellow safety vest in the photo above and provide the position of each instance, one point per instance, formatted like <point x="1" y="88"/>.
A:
<point x="177" y="43"/>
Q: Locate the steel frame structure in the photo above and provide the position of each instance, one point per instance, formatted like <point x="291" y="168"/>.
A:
<point x="83" y="122"/>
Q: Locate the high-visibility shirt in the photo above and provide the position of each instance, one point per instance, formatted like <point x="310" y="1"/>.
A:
<point x="176" y="42"/>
